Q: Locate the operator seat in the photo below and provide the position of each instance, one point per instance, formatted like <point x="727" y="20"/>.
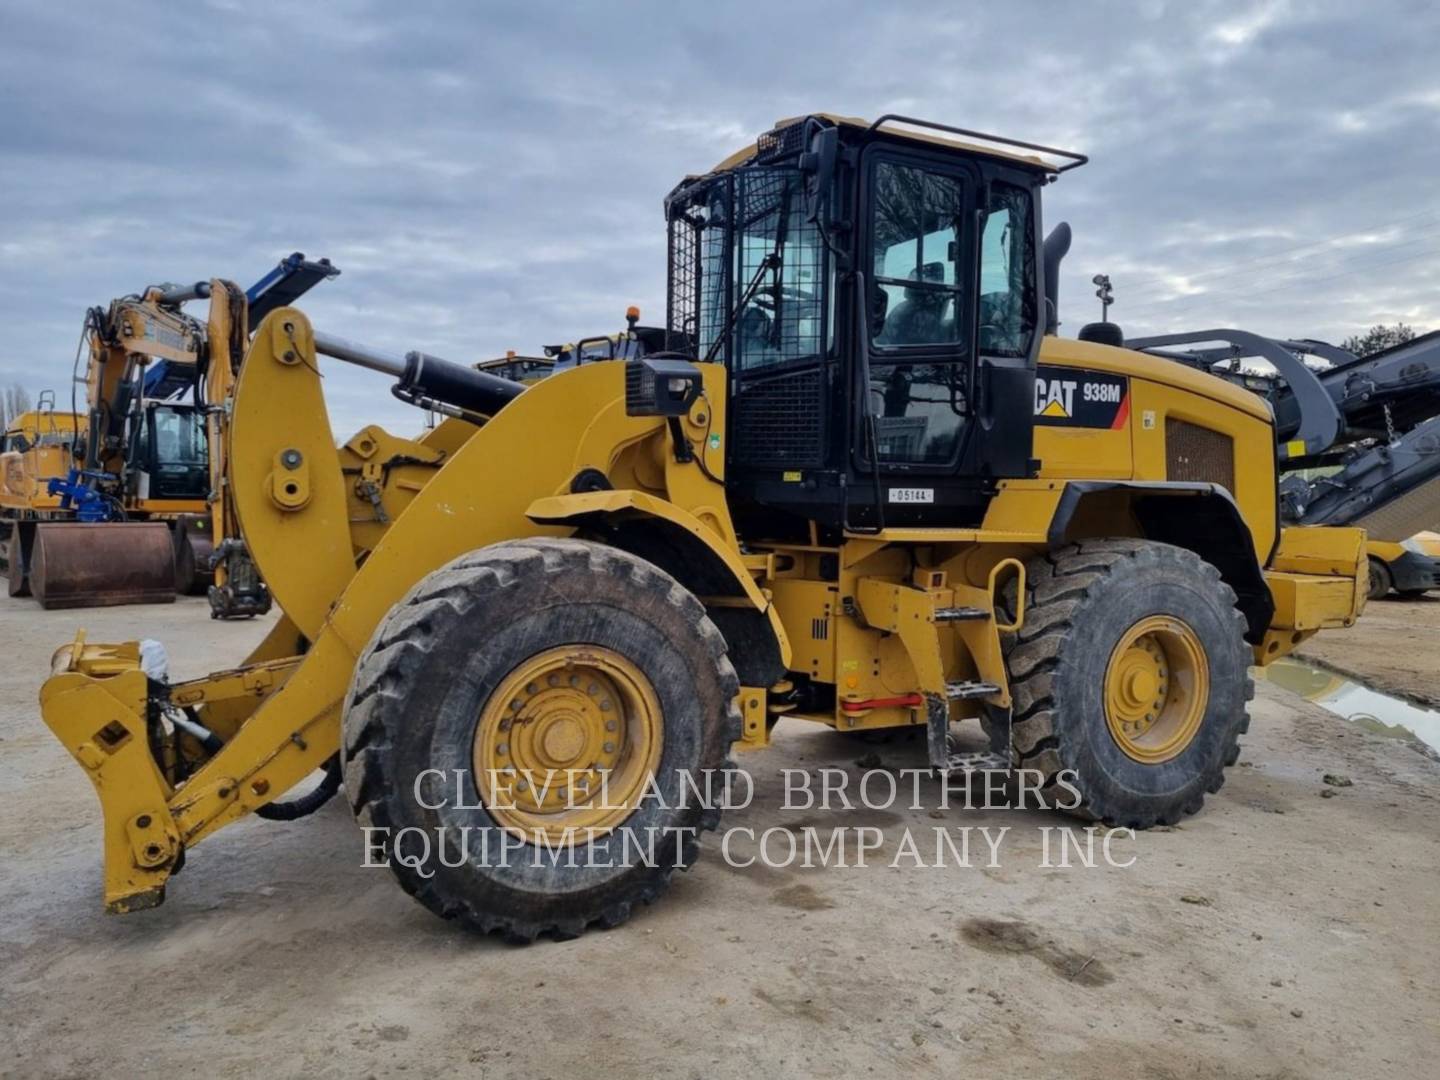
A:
<point x="919" y="319"/>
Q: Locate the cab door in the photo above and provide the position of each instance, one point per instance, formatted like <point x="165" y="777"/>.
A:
<point x="914" y="348"/>
<point x="947" y="337"/>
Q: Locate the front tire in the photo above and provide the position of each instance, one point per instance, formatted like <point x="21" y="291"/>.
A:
<point x="1130" y="680"/>
<point x="552" y="661"/>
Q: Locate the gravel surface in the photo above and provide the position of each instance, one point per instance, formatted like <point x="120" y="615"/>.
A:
<point x="1277" y="934"/>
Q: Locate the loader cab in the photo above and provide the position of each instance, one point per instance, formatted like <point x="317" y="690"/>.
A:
<point x="169" y="458"/>
<point x="875" y="293"/>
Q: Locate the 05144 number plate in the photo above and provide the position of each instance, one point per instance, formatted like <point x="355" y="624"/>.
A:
<point x="912" y="495"/>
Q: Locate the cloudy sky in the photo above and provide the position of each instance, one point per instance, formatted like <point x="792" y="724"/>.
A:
<point x="489" y="176"/>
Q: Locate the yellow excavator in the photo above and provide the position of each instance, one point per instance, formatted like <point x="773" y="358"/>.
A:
<point x="864" y="484"/>
<point x="120" y="518"/>
<point x="136" y="513"/>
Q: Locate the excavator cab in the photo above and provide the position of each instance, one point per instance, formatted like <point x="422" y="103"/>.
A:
<point x="878" y="301"/>
<point x="169" y="456"/>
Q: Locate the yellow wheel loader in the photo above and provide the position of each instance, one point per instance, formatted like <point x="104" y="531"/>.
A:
<point x="864" y="485"/>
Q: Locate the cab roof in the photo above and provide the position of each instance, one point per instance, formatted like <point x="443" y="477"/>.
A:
<point x="1009" y="150"/>
<point x="44" y="420"/>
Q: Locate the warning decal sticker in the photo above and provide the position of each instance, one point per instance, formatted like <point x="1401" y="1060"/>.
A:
<point x="1073" y="397"/>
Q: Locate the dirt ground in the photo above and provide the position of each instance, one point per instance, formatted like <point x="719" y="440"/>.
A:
<point x="1393" y="649"/>
<point x="1277" y="934"/>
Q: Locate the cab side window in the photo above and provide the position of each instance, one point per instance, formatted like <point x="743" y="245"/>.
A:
<point x="1007" y="285"/>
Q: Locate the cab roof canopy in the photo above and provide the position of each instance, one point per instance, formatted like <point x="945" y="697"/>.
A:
<point x="1001" y="148"/>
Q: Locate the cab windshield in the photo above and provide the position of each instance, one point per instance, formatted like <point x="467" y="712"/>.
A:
<point x="179" y="438"/>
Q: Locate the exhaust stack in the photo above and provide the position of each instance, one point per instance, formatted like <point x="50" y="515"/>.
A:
<point x="1057" y="245"/>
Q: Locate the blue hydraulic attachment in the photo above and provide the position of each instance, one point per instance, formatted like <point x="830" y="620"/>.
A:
<point x="89" y="504"/>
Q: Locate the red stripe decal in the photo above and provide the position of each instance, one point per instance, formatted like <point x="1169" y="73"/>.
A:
<point x="1122" y="415"/>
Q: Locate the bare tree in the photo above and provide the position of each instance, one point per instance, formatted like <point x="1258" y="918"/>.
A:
<point x="14" y="400"/>
<point x="1378" y="338"/>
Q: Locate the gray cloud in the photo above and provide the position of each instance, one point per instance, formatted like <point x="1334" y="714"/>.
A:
<point x="489" y="176"/>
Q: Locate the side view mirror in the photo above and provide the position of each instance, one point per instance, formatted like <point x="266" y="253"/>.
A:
<point x="817" y="164"/>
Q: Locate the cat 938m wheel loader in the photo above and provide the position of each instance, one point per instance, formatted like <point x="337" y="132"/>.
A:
<point x="864" y="485"/>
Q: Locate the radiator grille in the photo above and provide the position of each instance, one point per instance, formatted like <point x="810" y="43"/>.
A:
<point x="779" y="422"/>
<point x="1197" y="454"/>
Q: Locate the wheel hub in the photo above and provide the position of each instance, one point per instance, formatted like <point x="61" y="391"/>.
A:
<point x="567" y="742"/>
<point x="563" y="740"/>
<point x="1156" y="689"/>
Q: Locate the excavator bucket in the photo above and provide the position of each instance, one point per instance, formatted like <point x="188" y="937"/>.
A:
<point x="79" y="564"/>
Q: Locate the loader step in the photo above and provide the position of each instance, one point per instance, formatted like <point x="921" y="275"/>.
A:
<point x="964" y="691"/>
<point x="960" y="614"/>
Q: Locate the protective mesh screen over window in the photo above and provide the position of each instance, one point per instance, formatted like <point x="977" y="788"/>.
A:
<point x="682" y="281"/>
<point x="783" y="319"/>
<point x="744" y="237"/>
<point x="698" y="283"/>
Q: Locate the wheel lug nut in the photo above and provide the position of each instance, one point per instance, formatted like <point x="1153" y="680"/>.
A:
<point x="503" y="748"/>
<point x="609" y="748"/>
<point x="605" y="705"/>
<point x="609" y="725"/>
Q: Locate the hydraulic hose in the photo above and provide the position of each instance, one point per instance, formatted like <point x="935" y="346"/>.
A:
<point x="188" y="720"/>
<point x="307" y="804"/>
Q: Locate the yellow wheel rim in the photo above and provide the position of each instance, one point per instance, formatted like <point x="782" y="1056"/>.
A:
<point x="566" y="746"/>
<point x="1156" y="689"/>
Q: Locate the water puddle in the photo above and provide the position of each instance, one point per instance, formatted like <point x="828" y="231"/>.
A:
<point x="1368" y="709"/>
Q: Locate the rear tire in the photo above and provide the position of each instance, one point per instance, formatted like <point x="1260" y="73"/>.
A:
<point x="1381" y="580"/>
<point x="1085" y="605"/>
<point x="425" y="694"/>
